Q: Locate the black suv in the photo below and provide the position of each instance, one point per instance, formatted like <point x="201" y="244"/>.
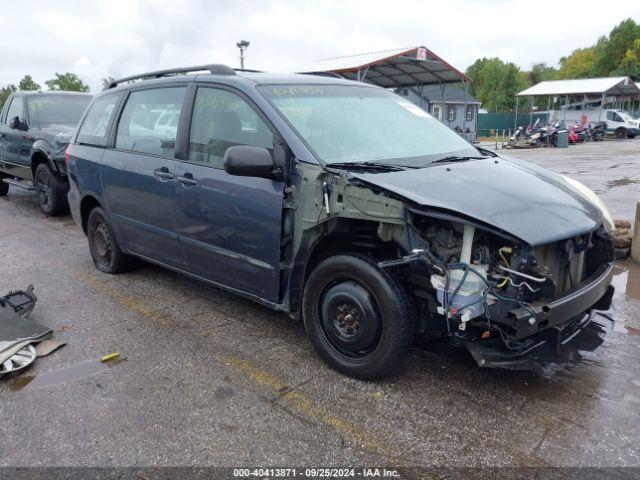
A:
<point x="35" y="128"/>
<point x="343" y="204"/>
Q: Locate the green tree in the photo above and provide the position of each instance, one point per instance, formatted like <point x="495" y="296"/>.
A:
<point x="541" y="72"/>
<point x="609" y="51"/>
<point x="107" y="81"/>
<point x="69" y="82"/>
<point x="580" y="64"/>
<point x="5" y="92"/>
<point x="495" y="83"/>
<point x="630" y="63"/>
<point x="27" y="83"/>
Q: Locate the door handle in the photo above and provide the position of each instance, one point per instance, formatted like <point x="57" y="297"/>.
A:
<point x="163" y="174"/>
<point x="187" y="180"/>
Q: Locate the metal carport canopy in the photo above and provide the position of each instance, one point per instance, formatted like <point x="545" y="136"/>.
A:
<point x="586" y="86"/>
<point x="401" y="67"/>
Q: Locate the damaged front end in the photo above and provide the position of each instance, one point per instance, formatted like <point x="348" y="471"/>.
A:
<point x="511" y="304"/>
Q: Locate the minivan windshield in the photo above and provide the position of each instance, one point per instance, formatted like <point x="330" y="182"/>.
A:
<point x="46" y="110"/>
<point x="345" y="123"/>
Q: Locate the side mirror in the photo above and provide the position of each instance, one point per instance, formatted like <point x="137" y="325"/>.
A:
<point x="16" y="124"/>
<point x="248" y="161"/>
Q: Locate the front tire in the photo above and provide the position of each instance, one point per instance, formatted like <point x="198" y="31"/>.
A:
<point x="103" y="245"/>
<point x="631" y="134"/>
<point x="357" y="316"/>
<point x="621" y="133"/>
<point x="51" y="190"/>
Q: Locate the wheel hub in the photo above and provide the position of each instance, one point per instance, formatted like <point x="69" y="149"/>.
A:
<point x="102" y="243"/>
<point x="350" y="319"/>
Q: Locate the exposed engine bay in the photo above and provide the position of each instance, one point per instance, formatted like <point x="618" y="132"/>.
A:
<point x="477" y="285"/>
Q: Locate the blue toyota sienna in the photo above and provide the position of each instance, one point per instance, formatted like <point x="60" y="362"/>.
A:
<point x="344" y="205"/>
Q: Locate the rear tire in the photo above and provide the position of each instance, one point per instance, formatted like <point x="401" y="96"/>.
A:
<point x="621" y="133"/>
<point x="103" y="245"/>
<point x="51" y="190"/>
<point x="357" y="316"/>
<point x="4" y="188"/>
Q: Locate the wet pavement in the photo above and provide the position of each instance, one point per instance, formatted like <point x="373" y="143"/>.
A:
<point x="207" y="378"/>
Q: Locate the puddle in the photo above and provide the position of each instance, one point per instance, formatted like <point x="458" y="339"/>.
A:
<point x="69" y="374"/>
<point x="620" y="182"/>
<point x="626" y="278"/>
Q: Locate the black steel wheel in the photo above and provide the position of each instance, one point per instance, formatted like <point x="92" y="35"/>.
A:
<point x="350" y="319"/>
<point x="51" y="191"/>
<point x="621" y="133"/>
<point x="357" y="316"/>
<point x="103" y="245"/>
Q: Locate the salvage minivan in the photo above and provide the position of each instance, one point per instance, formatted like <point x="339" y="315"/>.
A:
<point x="344" y="205"/>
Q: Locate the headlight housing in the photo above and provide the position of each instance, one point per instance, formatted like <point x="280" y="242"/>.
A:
<point x="590" y="195"/>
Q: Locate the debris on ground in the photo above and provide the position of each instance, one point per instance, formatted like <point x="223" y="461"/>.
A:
<point x="622" y="237"/>
<point x="22" y="301"/>
<point x="18" y="334"/>
<point x="110" y="356"/>
<point x="47" y="347"/>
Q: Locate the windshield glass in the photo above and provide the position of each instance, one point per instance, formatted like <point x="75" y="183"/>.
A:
<point x="47" y="110"/>
<point x="343" y="123"/>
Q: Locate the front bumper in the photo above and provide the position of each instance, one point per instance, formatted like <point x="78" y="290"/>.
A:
<point x="584" y="334"/>
<point x="553" y="330"/>
<point x="594" y="293"/>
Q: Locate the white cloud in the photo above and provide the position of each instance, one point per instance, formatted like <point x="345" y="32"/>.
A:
<point x="122" y="37"/>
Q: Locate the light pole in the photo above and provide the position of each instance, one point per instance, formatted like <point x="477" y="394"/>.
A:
<point x="242" y="45"/>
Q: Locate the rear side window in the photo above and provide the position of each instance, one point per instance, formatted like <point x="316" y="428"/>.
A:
<point x="143" y="125"/>
<point x="95" y="127"/>
<point x="222" y="119"/>
<point x="16" y="109"/>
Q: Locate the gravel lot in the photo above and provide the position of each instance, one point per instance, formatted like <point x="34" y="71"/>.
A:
<point x="207" y="378"/>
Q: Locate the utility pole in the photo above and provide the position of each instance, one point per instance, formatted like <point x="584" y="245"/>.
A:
<point x="242" y="45"/>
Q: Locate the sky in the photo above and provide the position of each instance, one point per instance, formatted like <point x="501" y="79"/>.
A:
<point x="96" y="39"/>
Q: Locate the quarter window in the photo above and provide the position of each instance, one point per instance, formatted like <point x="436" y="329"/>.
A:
<point x="16" y="109"/>
<point x="222" y="119"/>
<point x="141" y="128"/>
<point x="96" y="123"/>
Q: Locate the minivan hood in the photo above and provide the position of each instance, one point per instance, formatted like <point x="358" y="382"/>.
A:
<point x="531" y="203"/>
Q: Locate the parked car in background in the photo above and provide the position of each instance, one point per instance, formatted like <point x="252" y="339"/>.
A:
<point x="35" y="128"/>
<point x="345" y="205"/>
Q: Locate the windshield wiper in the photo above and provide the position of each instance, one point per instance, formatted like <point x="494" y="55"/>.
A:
<point x="381" y="167"/>
<point x="456" y="158"/>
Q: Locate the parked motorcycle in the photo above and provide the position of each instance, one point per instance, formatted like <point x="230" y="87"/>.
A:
<point x="597" y="131"/>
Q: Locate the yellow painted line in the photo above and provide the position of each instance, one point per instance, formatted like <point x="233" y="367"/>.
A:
<point x="278" y="388"/>
<point x="301" y="403"/>
<point x="128" y="301"/>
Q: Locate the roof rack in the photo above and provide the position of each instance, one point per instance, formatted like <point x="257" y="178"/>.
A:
<point x="214" y="69"/>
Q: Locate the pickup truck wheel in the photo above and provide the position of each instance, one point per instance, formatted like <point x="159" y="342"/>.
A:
<point x="621" y="133"/>
<point x="51" y="190"/>
<point x="357" y="316"/>
<point x="103" y="245"/>
<point x="4" y="188"/>
<point x="631" y="134"/>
